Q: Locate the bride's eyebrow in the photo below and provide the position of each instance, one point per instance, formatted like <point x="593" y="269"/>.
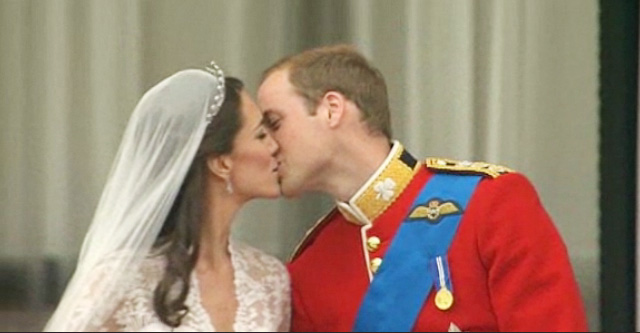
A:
<point x="258" y="125"/>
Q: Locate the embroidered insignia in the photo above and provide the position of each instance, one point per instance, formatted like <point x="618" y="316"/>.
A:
<point x="385" y="188"/>
<point x="434" y="210"/>
<point x="491" y="170"/>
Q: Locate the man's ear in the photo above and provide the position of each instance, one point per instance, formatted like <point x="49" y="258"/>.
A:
<point x="220" y="166"/>
<point x="335" y="104"/>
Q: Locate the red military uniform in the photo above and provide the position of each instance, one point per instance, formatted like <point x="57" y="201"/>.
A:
<point x="509" y="266"/>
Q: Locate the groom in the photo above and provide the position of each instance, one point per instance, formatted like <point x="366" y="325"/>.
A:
<point x="413" y="243"/>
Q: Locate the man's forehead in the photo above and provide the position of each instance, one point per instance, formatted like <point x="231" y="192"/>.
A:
<point x="277" y="80"/>
<point x="268" y="89"/>
<point x="275" y="99"/>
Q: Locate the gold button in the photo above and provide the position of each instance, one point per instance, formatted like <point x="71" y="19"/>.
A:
<point x="373" y="243"/>
<point x="375" y="264"/>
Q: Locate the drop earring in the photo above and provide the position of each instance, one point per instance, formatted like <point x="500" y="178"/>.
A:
<point x="229" y="187"/>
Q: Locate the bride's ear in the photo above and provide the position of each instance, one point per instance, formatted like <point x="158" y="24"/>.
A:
<point x="220" y="166"/>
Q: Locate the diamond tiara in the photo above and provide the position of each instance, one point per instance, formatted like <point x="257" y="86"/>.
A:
<point x="217" y="72"/>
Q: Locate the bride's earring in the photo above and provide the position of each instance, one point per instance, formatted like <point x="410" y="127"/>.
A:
<point x="229" y="187"/>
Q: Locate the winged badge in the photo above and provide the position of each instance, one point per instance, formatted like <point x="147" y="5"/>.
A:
<point x="434" y="210"/>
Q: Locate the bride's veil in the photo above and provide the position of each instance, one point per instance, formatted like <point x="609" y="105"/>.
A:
<point x="157" y="148"/>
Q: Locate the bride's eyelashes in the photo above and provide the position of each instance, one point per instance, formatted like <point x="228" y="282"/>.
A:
<point x="261" y="134"/>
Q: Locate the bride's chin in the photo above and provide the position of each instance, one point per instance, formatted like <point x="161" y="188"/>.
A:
<point x="273" y="192"/>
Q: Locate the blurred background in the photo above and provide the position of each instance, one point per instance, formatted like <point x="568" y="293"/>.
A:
<point x="514" y="83"/>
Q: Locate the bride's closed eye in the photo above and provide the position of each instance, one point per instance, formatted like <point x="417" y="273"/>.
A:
<point x="261" y="134"/>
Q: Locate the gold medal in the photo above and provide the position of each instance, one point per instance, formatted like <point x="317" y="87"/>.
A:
<point x="444" y="299"/>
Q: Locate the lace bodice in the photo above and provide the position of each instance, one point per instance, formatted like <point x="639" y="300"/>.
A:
<point x="262" y="291"/>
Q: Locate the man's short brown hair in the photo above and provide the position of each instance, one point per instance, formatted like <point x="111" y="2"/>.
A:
<point x="343" y="69"/>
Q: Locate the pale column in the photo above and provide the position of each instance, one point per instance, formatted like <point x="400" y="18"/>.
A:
<point x="54" y="114"/>
<point x="559" y="128"/>
<point x="14" y="238"/>
<point x="235" y="13"/>
<point x="362" y="26"/>
<point x="499" y="101"/>
<point x="114" y="47"/>
<point x="439" y="75"/>
<point x="413" y="120"/>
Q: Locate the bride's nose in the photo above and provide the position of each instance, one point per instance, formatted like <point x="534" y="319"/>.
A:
<point x="272" y="145"/>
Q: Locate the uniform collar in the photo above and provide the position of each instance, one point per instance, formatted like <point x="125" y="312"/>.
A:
<point x="382" y="189"/>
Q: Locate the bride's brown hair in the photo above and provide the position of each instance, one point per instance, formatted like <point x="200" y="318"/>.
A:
<point x="179" y="238"/>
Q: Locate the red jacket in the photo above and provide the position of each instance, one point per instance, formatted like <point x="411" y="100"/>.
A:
<point x="509" y="266"/>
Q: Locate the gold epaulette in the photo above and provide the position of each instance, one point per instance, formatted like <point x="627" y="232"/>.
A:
<point x="481" y="168"/>
<point x="312" y="233"/>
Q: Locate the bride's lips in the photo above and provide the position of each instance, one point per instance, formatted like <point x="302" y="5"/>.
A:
<point x="276" y="168"/>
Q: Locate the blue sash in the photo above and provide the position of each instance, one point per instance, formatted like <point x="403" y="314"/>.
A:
<point x="402" y="283"/>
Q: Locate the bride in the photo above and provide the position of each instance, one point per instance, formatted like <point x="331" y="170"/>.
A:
<point x="158" y="254"/>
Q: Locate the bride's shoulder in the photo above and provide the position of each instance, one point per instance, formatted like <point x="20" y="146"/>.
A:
<point x="134" y="270"/>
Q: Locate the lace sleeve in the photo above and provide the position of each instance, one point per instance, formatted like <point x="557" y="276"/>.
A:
<point x="134" y="311"/>
<point x="281" y="288"/>
<point x="86" y="307"/>
<point x="285" y="323"/>
<point x="125" y="307"/>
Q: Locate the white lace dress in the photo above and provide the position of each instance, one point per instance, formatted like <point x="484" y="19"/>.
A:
<point x="262" y="291"/>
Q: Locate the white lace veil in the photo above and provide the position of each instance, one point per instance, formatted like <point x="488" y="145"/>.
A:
<point x="157" y="148"/>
